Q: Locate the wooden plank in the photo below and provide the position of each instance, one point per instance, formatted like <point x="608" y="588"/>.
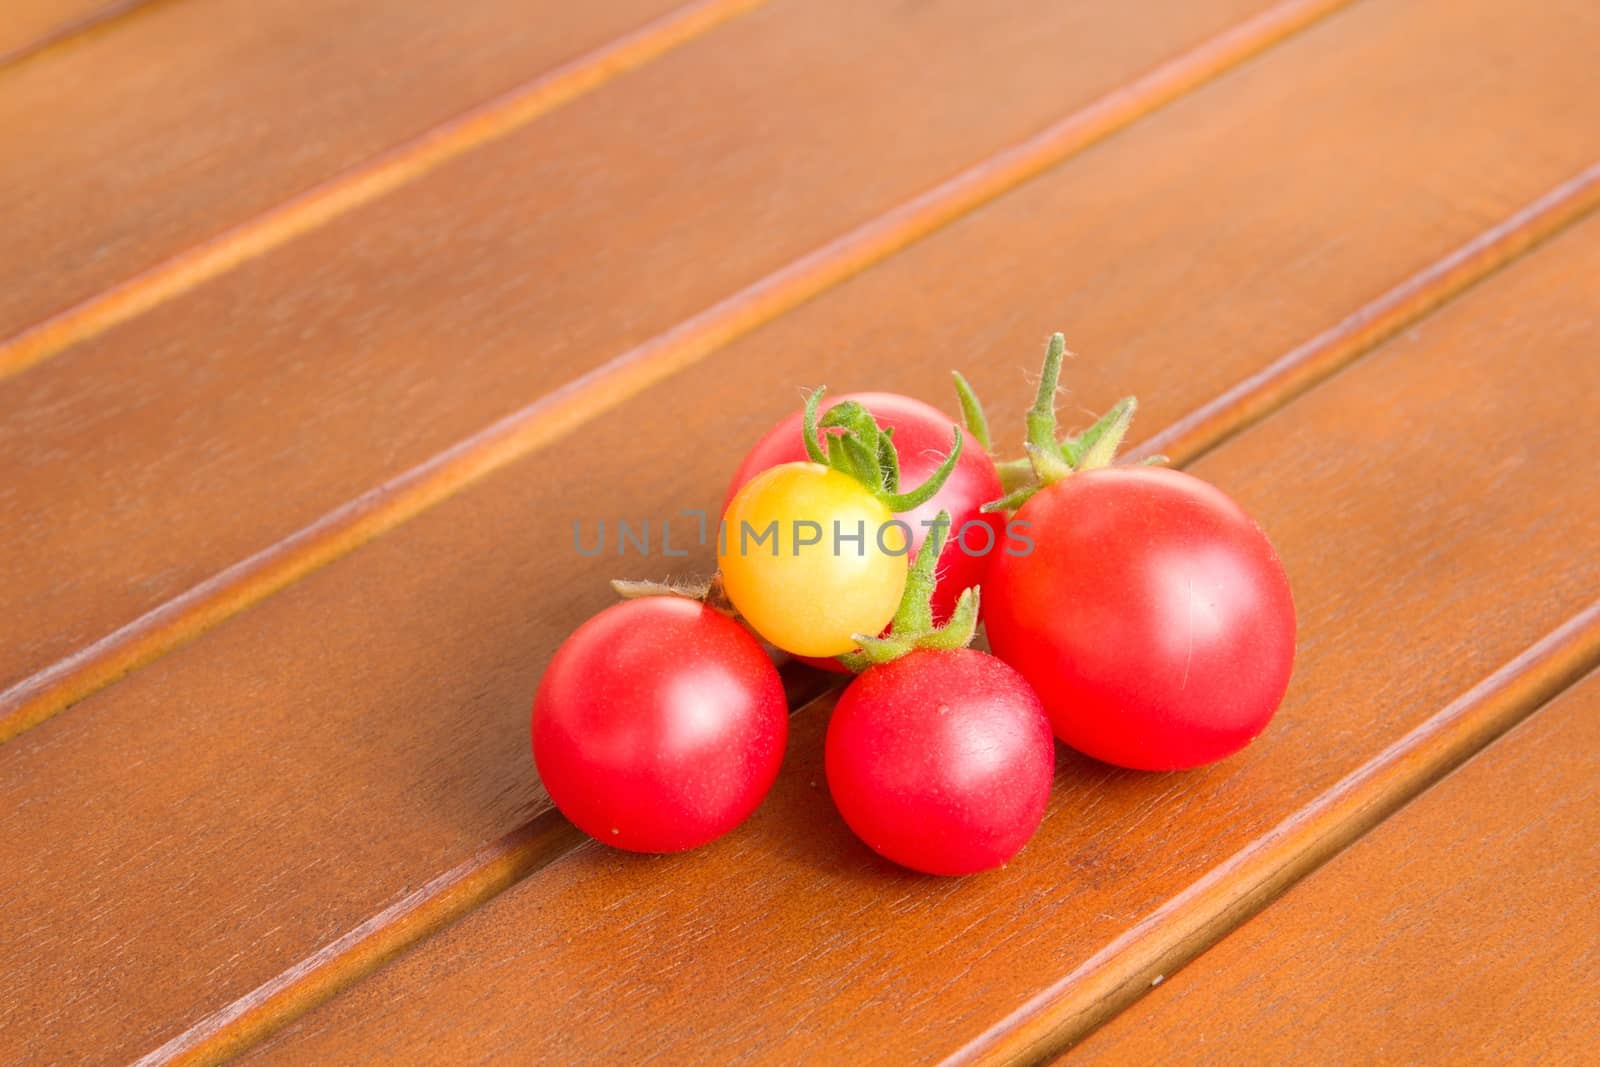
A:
<point x="1399" y="493"/>
<point x="192" y="117"/>
<point x="29" y="26"/>
<point x="270" y="789"/>
<point x="145" y="464"/>
<point x="1463" y="929"/>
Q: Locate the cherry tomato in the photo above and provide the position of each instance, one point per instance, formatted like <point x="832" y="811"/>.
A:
<point x="659" y="725"/>
<point x="1152" y="616"/>
<point x="922" y="437"/>
<point x="941" y="760"/>
<point x="833" y="566"/>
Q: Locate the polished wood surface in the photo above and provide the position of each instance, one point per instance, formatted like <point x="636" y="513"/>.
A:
<point x="105" y="195"/>
<point x="28" y="27"/>
<point x="290" y="460"/>
<point x="1456" y="931"/>
<point x="600" y="950"/>
<point x="551" y="252"/>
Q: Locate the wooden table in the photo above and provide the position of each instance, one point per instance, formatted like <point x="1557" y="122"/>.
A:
<point x="321" y="323"/>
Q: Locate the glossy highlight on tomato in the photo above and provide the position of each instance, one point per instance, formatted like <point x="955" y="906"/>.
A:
<point x="811" y="597"/>
<point x="941" y="760"/>
<point x="922" y="438"/>
<point x="659" y="725"/>
<point x="1153" y="617"/>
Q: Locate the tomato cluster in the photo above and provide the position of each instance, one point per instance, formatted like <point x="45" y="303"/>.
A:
<point x="1135" y="613"/>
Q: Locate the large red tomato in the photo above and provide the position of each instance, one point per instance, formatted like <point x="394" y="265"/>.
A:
<point x="659" y="725"/>
<point x="1152" y="616"/>
<point x="922" y="436"/>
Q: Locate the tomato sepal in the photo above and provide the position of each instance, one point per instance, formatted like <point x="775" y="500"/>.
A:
<point x="972" y="411"/>
<point x="866" y="452"/>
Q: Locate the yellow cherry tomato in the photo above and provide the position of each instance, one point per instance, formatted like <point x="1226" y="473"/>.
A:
<point x="810" y="558"/>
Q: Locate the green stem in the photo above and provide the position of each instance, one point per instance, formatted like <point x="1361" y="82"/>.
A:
<point x="1014" y="473"/>
<point x="912" y="627"/>
<point x="1043" y="452"/>
<point x="710" y="592"/>
<point x="1049" y="460"/>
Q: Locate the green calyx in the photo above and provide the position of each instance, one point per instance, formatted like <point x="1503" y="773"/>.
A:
<point x="865" y="451"/>
<point x="912" y="627"/>
<point x="972" y="411"/>
<point x="1048" y="458"/>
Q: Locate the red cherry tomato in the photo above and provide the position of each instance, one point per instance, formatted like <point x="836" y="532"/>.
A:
<point x="922" y="435"/>
<point x="941" y="760"/>
<point x="659" y="725"/>
<point x="1152" y="616"/>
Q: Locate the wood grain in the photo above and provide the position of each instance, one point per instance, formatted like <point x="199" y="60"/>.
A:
<point x="28" y="27"/>
<point x="1462" y="930"/>
<point x="381" y="398"/>
<point x="1396" y="532"/>
<point x="423" y="911"/>
<point x="1229" y="893"/>
<point x="216" y="819"/>
<point x="193" y="116"/>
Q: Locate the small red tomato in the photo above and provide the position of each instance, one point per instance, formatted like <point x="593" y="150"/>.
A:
<point x="922" y="436"/>
<point x="1152" y="616"/>
<point x="659" y="725"/>
<point x="941" y="760"/>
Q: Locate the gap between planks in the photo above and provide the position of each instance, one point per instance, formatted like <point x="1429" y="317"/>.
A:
<point x="90" y="22"/>
<point x="1230" y="893"/>
<point x="1178" y="931"/>
<point x="399" y="499"/>
<point x="1337" y="347"/>
<point x="365" y="182"/>
<point x="419" y="914"/>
